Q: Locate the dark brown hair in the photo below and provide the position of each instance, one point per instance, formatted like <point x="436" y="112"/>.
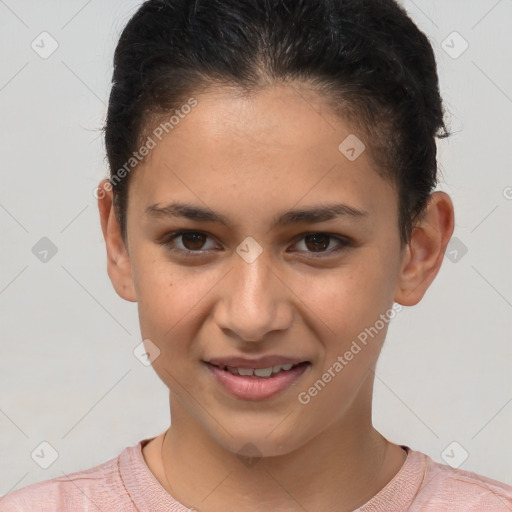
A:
<point x="366" y="57"/>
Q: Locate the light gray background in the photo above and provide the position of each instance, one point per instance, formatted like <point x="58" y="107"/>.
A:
<point x="68" y="375"/>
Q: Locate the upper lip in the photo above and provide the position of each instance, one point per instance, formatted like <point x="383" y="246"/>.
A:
<point x="262" y="362"/>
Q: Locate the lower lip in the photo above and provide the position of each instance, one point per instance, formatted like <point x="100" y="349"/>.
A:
<point x="256" y="388"/>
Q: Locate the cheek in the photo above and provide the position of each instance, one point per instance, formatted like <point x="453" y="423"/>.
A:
<point x="351" y="298"/>
<point x="173" y="303"/>
<point x="166" y="317"/>
<point x="350" y="303"/>
<point x="164" y="297"/>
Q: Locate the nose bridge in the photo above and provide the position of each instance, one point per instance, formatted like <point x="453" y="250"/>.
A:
<point x="252" y="283"/>
<point x="253" y="302"/>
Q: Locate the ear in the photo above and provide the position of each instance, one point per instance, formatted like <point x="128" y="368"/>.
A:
<point x="423" y="256"/>
<point x="118" y="260"/>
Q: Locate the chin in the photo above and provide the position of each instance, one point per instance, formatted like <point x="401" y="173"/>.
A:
<point x="256" y="443"/>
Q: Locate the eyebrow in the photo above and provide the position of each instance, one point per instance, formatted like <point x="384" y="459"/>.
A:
<point x="311" y="215"/>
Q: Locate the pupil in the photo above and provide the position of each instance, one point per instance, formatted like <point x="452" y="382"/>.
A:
<point x="196" y="244"/>
<point x="317" y="237"/>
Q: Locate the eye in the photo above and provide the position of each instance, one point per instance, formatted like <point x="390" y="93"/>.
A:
<point x="192" y="243"/>
<point x="317" y="244"/>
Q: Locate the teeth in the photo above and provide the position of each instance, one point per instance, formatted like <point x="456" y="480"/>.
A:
<point x="263" y="372"/>
<point x="259" y="372"/>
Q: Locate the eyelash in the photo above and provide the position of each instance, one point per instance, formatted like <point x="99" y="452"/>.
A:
<point x="168" y="242"/>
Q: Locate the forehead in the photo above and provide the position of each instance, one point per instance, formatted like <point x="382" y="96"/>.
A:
<point x="279" y="147"/>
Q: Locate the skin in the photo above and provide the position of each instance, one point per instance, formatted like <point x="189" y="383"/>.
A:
<point x="251" y="158"/>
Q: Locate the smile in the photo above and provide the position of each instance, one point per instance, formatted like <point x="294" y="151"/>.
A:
<point x="257" y="383"/>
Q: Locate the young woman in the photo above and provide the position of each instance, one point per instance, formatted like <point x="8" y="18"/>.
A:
<point x="270" y="208"/>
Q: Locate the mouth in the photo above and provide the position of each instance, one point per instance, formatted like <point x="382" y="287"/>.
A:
<point x="249" y="380"/>
<point x="259" y="372"/>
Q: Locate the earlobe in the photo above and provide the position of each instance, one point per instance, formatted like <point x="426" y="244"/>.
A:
<point x="118" y="259"/>
<point x="424" y="255"/>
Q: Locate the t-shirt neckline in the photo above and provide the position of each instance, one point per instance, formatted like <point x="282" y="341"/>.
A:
<point x="148" y="495"/>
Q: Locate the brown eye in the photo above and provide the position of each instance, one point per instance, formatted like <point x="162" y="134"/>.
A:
<point x="317" y="245"/>
<point x="317" y="242"/>
<point x="187" y="243"/>
<point x="193" y="241"/>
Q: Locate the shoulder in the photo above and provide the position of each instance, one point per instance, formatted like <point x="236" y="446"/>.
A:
<point x="446" y="488"/>
<point x="96" y="488"/>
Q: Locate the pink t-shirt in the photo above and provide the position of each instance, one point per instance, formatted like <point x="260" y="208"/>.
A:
<point x="126" y="484"/>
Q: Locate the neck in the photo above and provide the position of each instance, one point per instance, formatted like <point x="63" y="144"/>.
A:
<point x="349" y="464"/>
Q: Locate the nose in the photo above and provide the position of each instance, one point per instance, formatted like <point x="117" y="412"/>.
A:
<point x="254" y="301"/>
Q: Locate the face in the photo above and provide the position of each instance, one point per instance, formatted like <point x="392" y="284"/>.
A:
<point x="265" y="286"/>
